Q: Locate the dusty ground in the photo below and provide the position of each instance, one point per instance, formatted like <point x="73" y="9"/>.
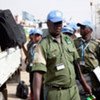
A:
<point x="11" y="86"/>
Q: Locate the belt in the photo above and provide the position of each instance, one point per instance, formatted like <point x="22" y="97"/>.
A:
<point x="58" y="87"/>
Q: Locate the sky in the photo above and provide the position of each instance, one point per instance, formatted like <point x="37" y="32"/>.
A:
<point x="74" y="10"/>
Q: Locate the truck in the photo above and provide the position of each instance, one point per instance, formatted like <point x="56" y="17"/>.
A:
<point x="12" y="39"/>
<point x="10" y="61"/>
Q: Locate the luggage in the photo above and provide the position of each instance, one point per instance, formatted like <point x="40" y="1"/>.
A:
<point x="5" y="40"/>
<point x="10" y="34"/>
<point x="22" y="90"/>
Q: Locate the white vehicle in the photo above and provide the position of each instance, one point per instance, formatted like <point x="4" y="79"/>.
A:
<point x="9" y="63"/>
<point x="10" y="60"/>
<point x="12" y="38"/>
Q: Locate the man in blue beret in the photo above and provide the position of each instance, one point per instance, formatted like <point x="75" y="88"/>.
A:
<point x="54" y="64"/>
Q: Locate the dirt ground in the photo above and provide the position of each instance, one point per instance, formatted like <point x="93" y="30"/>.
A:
<point x="11" y="86"/>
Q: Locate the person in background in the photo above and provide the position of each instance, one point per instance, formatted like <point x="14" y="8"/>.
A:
<point x="53" y="64"/>
<point x="67" y="30"/>
<point x="31" y="41"/>
<point x="35" y="37"/>
<point x="74" y="26"/>
<point x="89" y="51"/>
<point x="76" y="29"/>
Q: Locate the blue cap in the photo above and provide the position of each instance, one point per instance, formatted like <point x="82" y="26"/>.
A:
<point x="67" y="29"/>
<point x="86" y="23"/>
<point x="73" y="25"/>
<point x="55" y="16"/>
<point x="38" y="31"/>
<point x="31" y="32"/>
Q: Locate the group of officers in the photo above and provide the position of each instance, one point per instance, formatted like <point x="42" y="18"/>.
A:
<point x="61" y="62"/>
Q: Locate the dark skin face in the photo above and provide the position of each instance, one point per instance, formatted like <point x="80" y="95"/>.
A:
<point x="31" y="37"/>
<point x="37" y="37"/>
<point x="54" y="28"/>
<point x="86" y="32"/>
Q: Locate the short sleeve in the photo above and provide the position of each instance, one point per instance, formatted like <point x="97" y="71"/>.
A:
<point x="39" y="62"/>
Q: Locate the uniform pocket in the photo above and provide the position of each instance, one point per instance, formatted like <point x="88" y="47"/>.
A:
<point x="70" y="54"/>
<point x="52" y="54"/>
<point x="91" y="53"/>
<point x="52" y="57"/>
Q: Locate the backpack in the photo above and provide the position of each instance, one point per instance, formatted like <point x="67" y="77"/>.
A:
<point x="22" y="90"/>
<point x="11" y="33"/>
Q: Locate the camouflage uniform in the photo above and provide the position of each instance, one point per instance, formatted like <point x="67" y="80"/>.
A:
<point x="91" y="59"/>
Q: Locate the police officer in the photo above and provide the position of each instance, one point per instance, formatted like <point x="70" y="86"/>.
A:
<point x="53" y="63"/>
<point x="89" y="51"/>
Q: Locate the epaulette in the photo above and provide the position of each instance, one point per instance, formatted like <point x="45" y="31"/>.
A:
<point x="67" y="39"/>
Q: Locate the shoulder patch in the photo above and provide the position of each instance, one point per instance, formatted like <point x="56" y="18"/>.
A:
<point x="68" y="40"/>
